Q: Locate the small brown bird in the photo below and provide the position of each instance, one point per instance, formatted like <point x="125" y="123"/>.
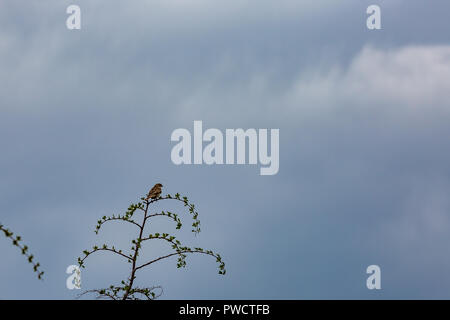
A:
<point x="154" y="192"/>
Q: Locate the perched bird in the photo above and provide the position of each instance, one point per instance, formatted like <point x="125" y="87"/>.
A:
<point x="154" y="192"/>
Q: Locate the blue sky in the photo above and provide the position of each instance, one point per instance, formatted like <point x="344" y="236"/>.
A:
<point x="86" y="119"/>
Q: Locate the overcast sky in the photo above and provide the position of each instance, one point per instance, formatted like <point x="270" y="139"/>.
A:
<point x="364" y="119"/>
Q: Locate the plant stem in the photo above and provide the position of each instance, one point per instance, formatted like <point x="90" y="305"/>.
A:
<point x="136" y="250"/>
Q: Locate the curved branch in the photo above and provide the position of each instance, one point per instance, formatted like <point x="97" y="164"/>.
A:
<point x="168" y="214"/>
<point x="119" y="218"/>
<point x="146" y="292"/>
<point x="196" y="225"/>
<point x="101" y="293"/>
<point x="155" y="214"/>
<point x="170" y="239"/>
<point x="88" y="253"/>
<point x="173" y="254"/>
<point x="24" y="250"/>
<point x="169" y="197"/>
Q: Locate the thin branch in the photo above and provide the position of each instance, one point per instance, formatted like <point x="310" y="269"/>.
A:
<point x="185" y="201"/>
<point x="174" y="254"/>
<point x="155" y="214"/>
<point x="121" y="218"/>
<point x="24" y="249"/>
<point x="101" y="293"/>
<point x="166" y="198"/>
<point x="147" y="292"/>
<point x="105" y="249"/>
